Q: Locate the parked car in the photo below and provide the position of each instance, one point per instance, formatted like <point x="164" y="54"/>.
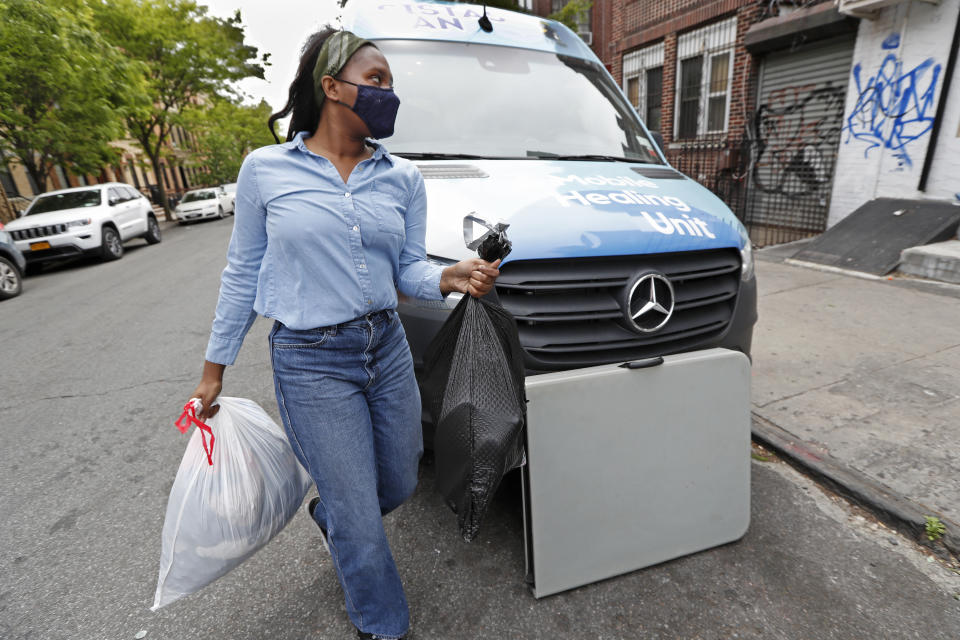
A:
<point x="12" y="266"/>
<point x="228" y="193"/>
<point x="92" y="220"/>
<point x="199" y="204"/>
<point x="616" y="255"/>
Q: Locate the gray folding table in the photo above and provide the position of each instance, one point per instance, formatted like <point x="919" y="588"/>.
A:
<point x="627" y="468"/>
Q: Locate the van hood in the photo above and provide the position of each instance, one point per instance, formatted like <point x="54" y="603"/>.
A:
<point x="53" y="217"/>
<point x="574" y="209"/>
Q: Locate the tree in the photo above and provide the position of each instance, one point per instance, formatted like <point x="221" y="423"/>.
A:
<point x="573" y="13"/>
<point x="226" y="132"/>
<point x="188" y="58"/>
<point x="61" y="88"/>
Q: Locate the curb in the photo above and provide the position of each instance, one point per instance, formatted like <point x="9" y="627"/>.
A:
<point x="887" y="505"/>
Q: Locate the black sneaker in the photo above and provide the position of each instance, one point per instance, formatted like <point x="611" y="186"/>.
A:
<point x="370" y="636"/>
<point x="311" y="507"/>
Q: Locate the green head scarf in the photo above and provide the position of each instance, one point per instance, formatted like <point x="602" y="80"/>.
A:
<point x="334" y="53"/>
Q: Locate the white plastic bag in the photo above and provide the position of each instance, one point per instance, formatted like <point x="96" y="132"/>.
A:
<point x="233" y="492"/>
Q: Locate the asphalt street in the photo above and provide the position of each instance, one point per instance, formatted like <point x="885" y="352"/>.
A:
<point x="98" y="359"/>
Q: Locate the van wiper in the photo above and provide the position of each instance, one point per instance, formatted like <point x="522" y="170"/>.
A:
<point x="429" y="155"/>
<point x="546" y="155"/>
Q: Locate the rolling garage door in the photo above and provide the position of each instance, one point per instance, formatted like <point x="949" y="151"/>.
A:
<point x="795" y="134"/>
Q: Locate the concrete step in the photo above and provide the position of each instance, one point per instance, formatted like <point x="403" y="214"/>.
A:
<point x="937" y="261"/>
<point x="159" y="212"/>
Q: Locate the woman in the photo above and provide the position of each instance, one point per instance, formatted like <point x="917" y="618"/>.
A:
<point x="328" y="227"/>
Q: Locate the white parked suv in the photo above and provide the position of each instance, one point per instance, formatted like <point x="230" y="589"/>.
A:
<point x="96" y="220"/>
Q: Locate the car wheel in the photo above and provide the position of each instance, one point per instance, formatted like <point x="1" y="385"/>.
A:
<point x="153" y="230"/>
<point x="220" y="213"/>
<point x="10" y="282"/>
<point x="111" y="248"/>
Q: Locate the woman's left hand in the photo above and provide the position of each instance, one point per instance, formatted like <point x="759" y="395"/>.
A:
<point x="473" y="276"/>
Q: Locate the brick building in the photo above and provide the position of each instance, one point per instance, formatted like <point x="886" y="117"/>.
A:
<point x="682" y="63"/>
<point x="794" y="112"/>
<point x="748" y="96"/>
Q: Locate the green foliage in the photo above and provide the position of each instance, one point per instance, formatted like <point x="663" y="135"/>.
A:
<point x="570" y="13"/>
<point x="187" y="58"/>
<point x="62" y="88"/>
<point x="935" y="528"/>
<point x="226" y="132"/>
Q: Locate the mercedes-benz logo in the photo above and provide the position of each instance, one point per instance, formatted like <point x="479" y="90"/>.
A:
<point x="650" y="302"/>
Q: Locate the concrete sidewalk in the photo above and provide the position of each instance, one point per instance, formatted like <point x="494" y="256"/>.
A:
<point x="860" y="380"/>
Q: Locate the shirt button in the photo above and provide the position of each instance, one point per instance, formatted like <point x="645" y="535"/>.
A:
<point x="369" y="301"/>
<point x="356" y="228"/>
<point x="346" y="195"/>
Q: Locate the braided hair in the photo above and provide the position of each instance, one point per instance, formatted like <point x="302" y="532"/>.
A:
<point x="301" y="99"/>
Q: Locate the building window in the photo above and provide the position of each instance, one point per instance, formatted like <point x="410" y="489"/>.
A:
<point x="643" y="83"/>
<point x="688" y="108"/>
<point x="526" y="5"/>
<point x="62" y="182"/>
<point x="633" y="91"/>
<point x="704" y="73"/>
<point x="717" y="92"/>
<point x="654" y="101"/>
<point x="6" y="178"/>
<point x="34" y="187"/>
<point x="133" y="173"/>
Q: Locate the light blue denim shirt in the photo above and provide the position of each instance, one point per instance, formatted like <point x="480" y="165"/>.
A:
<point x="311" y="251"/>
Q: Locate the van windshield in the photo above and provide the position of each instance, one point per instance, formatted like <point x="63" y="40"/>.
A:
<point x="502" y="102"/>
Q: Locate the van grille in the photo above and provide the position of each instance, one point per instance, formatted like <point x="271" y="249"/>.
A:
<point x="38" y="232"/>
<point x="569" y="313"/>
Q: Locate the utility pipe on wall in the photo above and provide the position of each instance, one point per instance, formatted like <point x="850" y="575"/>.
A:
<point x="941" y="107"/>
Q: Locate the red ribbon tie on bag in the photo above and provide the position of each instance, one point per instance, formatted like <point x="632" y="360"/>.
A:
<point x="188" y="417"/>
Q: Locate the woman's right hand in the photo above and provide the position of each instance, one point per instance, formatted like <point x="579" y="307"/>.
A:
<point x="209" y="388"/>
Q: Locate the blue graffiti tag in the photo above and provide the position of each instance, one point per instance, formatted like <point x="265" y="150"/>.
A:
<point x="893" y="107"/>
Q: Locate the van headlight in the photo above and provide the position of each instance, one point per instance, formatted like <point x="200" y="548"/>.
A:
<point x="746" y="261"/>
<point x="79" y="223"/>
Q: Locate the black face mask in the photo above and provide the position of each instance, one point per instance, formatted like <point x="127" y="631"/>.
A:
<point x="377" y="108"/>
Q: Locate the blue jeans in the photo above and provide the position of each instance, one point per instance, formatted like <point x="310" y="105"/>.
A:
<point x="351" y="409"/>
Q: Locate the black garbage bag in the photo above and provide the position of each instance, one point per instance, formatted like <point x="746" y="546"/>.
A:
<point x="474" y="387"/>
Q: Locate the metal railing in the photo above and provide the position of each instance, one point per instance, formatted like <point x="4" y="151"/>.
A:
<point x="779" y="200"/>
